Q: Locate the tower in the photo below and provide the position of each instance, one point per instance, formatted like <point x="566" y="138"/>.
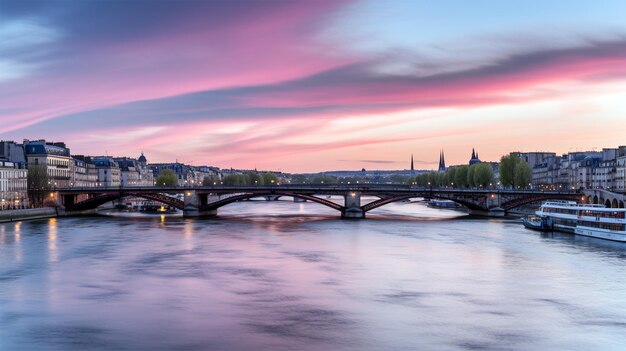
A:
<point x="412" y="165"/>
<point x="142" y="159"/>
<point x="474" y="158"/>
<point x="442" y="162"/>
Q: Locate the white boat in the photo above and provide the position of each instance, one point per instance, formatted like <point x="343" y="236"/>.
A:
<point x="585" y="219"/>
<point x="447" y="204"/>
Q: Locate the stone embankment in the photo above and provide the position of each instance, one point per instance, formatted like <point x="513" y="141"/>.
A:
<point x="28" y="213"/>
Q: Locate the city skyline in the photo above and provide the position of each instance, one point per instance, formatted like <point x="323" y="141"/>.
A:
<point x="313" y="86"/>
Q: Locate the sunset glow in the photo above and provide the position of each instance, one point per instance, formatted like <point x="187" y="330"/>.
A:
<point x="314" y="85"/>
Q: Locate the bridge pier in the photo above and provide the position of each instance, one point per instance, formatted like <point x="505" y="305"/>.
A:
<point x="298" y="199"/>
<point x="352" y="206"/>
<point x="194" y="202"/>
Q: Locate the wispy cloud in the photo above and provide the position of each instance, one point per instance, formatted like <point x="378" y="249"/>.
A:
<point x="228" y="82"/>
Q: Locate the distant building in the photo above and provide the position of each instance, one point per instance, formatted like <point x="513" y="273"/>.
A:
<point x="84" y="174"/>
<point x="135" y="172"/>
<point x="604" y="169"/>
<point x="55" y="157"/>
<point x="186" y="174"/>
<point x="109" y="174"/>
<point x="442" y="162"/>
<point x="13" y="185"/>
<point x="12" y="152"/>
<point x="474" y="158"/>
<point x="620" y="170"/>
<point x="534" y="158"/>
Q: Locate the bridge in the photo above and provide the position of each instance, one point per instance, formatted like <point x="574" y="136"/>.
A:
<point x="204" y="201"/>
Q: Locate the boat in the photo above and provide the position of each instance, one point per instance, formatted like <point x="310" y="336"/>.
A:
<point x="160" y="209"/>
<point x="590" y="220"/>
<point x="446" y="204"/>
<point x="543" y="224"/>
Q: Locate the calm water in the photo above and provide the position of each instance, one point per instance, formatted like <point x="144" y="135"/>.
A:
<point x="408" y="278"/>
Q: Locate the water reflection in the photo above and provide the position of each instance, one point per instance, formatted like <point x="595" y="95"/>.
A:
<point x="52" y="240"/>
<point x="305" y="280"/>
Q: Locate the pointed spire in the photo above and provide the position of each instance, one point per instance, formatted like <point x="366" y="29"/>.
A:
<point x="442" y="161"/>
<point x="473" y="153"/>
<point x="412" y="165"/>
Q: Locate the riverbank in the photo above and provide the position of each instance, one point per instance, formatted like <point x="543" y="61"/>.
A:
<point x="27" y="213"/>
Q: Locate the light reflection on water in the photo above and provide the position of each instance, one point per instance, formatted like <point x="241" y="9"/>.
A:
<point x="407" y="278"/>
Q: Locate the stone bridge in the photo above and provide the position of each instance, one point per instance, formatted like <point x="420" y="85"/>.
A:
<point x="205" y="201"/>
<point x="606" y="198"/>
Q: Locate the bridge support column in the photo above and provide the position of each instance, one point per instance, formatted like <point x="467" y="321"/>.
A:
<point x="193" y="204"/>
<point x="271" y="197"/>
<point x="298" y="199"/>
<point x="352" y="206"/>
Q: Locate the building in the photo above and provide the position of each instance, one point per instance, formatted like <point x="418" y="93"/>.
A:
<point x="442" y="162"/>
<point x="12" y="152"/>
<point x="546" y="173"/>
<point x="84" y="174"/>
<point x="620" y="171"/>
<point x="604" y="169"/>
<point x="474" y="159"/>
<point x="13" y="185"/>
<point x="109" y="174"/>
<point x="186" y="174"/>
<point x="55" y="157"/>
<point x="135" y="172"/>
<point x="535" y="158"/>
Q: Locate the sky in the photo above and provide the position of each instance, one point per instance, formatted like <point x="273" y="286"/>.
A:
<point x="304" y="86"/>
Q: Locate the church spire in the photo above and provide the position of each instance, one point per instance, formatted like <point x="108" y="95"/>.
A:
<point x="412" y="165"/>
<point x="442" y="162"/>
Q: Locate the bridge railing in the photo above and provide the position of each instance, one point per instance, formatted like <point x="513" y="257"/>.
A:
<point x="367" y="188"/>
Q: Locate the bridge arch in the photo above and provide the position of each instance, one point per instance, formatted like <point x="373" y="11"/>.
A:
<point x="595" y="199"/>
<point x="93" y="202"/>
<point x="614" y="204"/>
<point x="509" y="205"/>
<point x="231" y="199"/>
<point x="387" y="200"/>
<point x="607" y="203"/>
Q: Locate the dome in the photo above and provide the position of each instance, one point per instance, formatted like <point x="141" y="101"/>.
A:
<point x="142" y="158"/>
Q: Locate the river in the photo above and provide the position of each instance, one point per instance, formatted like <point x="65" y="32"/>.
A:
<point x="293" y="276"/>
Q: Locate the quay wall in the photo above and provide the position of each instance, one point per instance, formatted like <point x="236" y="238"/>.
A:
<point x="28" y="213"/>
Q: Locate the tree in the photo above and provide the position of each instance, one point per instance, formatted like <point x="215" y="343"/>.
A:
<point x="507" y="170"/>
<point x="483" y="174"/>
<point x="270" y="179"/>
<point x="167" y="177"/>
<point x="299" y="179"/>
<point x="323" y="179"/>
<point x="254" y="178"/>
<point x="210" y="180"/>
<point x="515" y="172"/>
<point x="445" y="178"/>
<point x="398" y="179"/>
<point x="523" y="174"/>
<point x="460" y="177"/>
<point x="234" y="180"/>
<point x="38" y="184"/>
<point x="470" y="175"/>
<point x="451" y="176"/>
